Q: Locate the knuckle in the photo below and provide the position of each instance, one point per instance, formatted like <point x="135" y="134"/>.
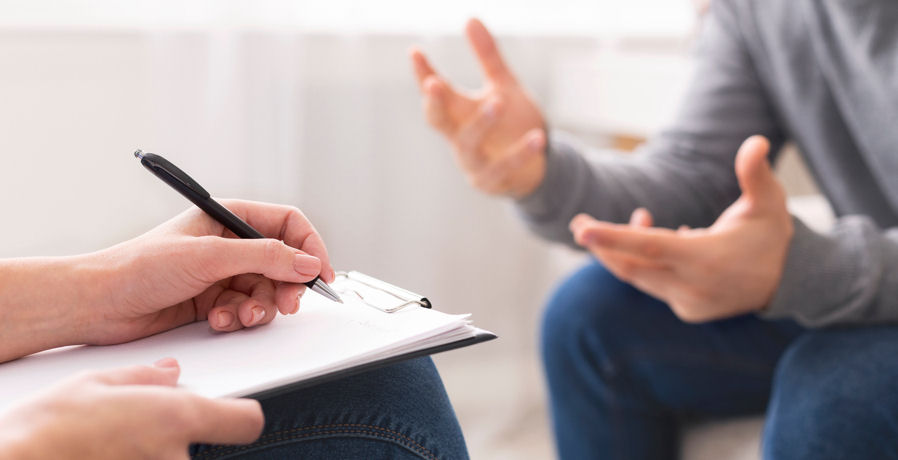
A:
<point x="273" y="249"/>
<point x="206" y="244"/>
<point x="271" y="312"/>
<point x="294" y="213"/>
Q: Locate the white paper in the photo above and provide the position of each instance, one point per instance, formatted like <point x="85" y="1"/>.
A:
<point x="323" y="337"/>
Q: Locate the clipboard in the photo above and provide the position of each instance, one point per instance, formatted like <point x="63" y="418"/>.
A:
<point x="482" y="336"/>
<point x="376" y="293"/>
<point x="388" y="299"/>
<point x="379" y="324"/>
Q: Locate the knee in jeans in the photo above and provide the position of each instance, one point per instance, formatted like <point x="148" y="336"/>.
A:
<point x="822" y="401"/>
<point x="821" y="370"/>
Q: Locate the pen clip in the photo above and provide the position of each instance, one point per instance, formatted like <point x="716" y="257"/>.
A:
<point x="165" y="169"/>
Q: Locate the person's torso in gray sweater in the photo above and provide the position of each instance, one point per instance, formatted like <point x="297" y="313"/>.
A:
<point x="822" y="73"/>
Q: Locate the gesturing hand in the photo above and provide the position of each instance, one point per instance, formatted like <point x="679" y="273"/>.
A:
<point x="124" y="413"/>
<point x="191" y="268"/>
<point x="732" y="267"/>
<point x="498" y="133"/>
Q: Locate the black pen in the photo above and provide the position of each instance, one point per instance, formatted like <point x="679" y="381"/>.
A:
<point x="185" y="185"/>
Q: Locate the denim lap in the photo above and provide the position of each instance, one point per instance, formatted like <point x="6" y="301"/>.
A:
<point x="624" y="371"/>
<point x="834" y="397"/>
<point x="397" y="412"/>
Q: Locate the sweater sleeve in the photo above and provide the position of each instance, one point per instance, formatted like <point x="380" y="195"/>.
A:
<point x="683" y="176"/>
<point x="848" y="275"/>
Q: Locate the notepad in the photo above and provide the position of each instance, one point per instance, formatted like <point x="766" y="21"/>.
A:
<point x="323" y="341"/>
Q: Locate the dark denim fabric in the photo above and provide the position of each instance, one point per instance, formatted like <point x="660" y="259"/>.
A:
<point x="398" y="412"/>
<point x="624" y="374"/>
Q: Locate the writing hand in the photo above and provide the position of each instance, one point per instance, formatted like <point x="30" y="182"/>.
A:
<point x="730" y="268"/>
<point x="130" y="412"/>
<point x="191" y="268"/>
<point x="497" y="133"/>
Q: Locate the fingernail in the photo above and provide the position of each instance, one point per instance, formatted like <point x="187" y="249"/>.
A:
<point x="587" y="239"/>
<point x="296" y="306"/>
<point x="306" y="265"/>
<point x="224" y="319"/>
<point x="258" y="314"/>
<point x="536" y="142"/>
<point x="166" y="363"/>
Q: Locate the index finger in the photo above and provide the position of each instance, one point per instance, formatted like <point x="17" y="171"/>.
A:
<point x="486" y="50"/>
<point x="285" y="223"/>
<point x="225" y="421"/>
<point x="647" y="242"/>
<point x="422" y="66"/>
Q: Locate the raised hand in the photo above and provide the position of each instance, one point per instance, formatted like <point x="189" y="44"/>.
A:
<point x="498" y="133"/>
<point x="730" y="268"/>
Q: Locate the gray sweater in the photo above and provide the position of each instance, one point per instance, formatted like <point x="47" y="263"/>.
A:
<point x="822" y="73"/>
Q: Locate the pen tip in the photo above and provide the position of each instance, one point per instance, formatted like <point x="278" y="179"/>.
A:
<point x="322" y="288"/>
<point x="138" y="153"/>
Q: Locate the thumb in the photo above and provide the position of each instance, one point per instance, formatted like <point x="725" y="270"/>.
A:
<point x="227" y="257"/>
<point x="753" y="171"/>
<point x="164" y="372"/>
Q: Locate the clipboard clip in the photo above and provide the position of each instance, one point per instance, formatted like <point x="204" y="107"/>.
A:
<point x="376" y="293"/>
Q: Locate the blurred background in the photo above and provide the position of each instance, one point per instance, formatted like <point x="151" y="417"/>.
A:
<point x="313" y="103"/>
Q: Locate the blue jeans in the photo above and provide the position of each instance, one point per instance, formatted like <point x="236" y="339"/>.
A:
<point x="624" y="373"/>
<point x="397" y="412"/>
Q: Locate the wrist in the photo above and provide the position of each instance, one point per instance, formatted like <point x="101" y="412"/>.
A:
<point x="530" y="177"/>
<point x="45" y="302"/>
<point x="91" y="280"/>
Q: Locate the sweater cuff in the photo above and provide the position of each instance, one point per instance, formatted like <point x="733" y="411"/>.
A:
<point x="545" y="202"/>
<point x="823" y="279"/>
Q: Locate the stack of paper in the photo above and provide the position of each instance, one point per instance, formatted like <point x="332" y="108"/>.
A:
<point x="323" y="341"/>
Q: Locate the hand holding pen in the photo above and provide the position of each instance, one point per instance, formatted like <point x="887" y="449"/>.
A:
<point x="193" y="191"/>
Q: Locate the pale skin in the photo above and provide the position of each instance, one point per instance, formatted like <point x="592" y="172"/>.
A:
<point x="185" y="270"/>
<point x="733" y="267"/>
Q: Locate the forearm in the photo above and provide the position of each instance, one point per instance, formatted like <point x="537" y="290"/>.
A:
<point x="44" y="302"/>
<point x="677" y="183"/>
<point x="846" y="276"/>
